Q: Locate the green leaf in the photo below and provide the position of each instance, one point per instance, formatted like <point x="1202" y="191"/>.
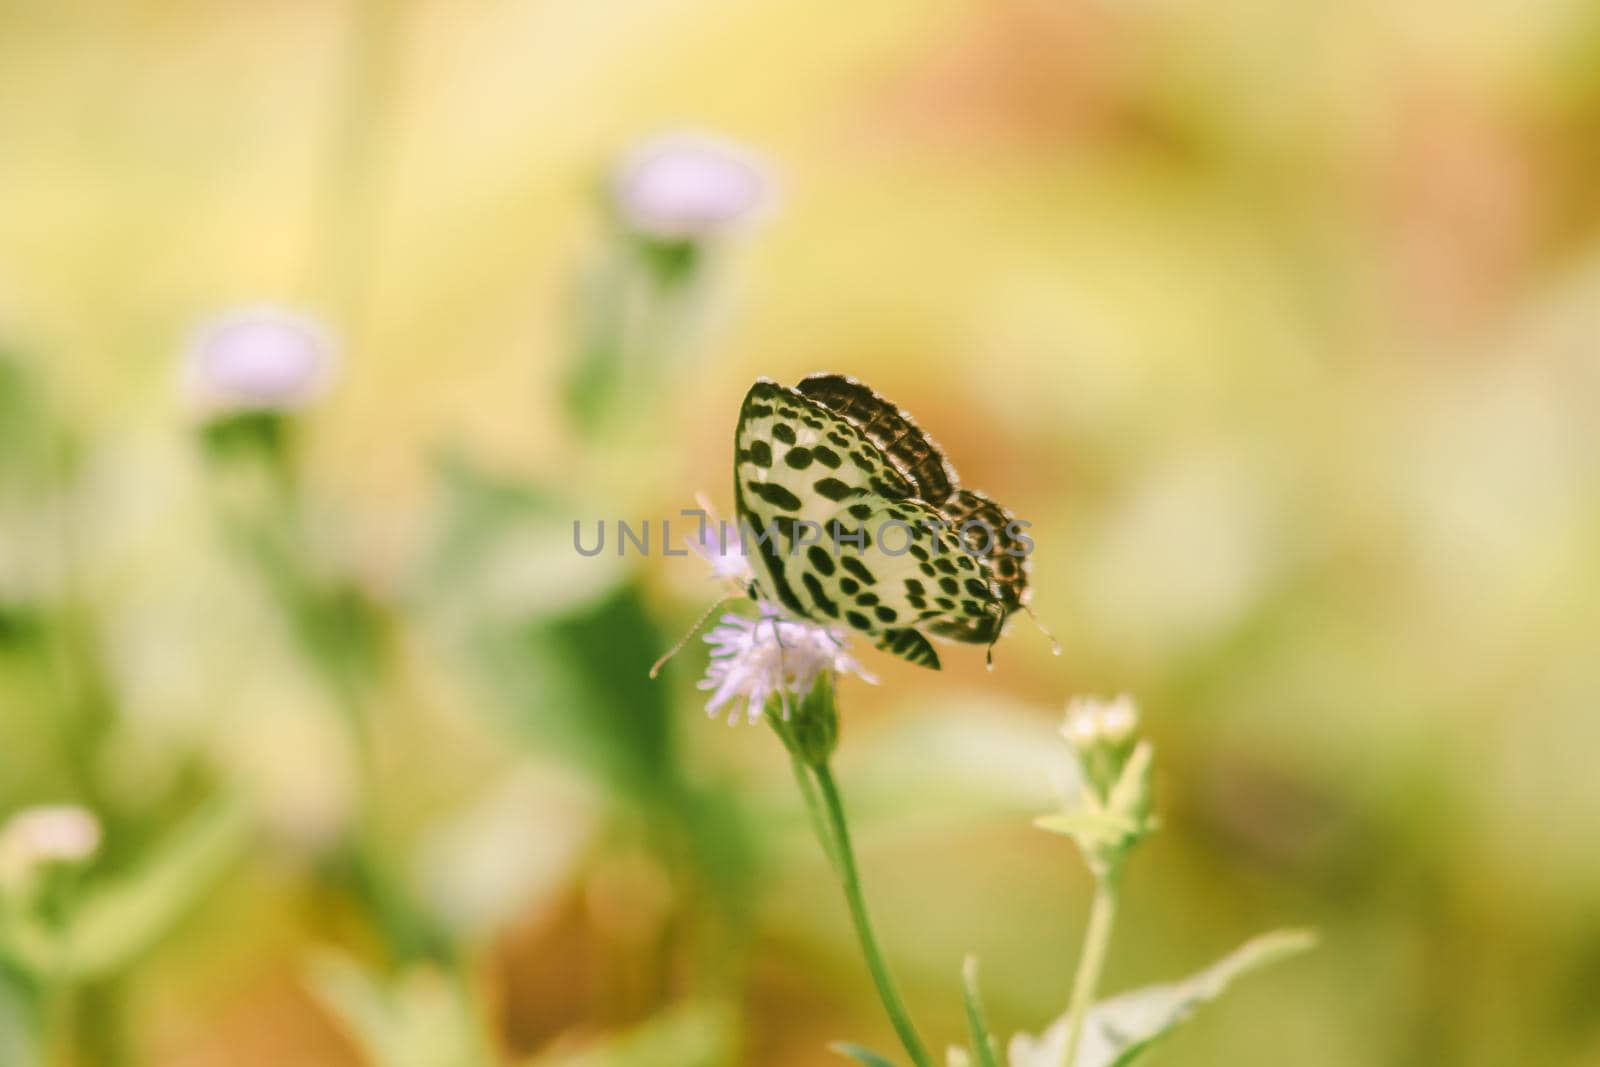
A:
<point x="859" y="1054"/>
<point x="503" y="550"/>
<point x="564" y="643"/>
<point x="1119" y="1029"/>
<point x="122" y="918"/>
<point x="982" y="1043"/>
<point x="424" y="1017"/>
<point x="1085" y="823"/>
<point x="690" y="1035"/>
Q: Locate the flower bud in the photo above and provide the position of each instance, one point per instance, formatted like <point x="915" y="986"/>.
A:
<point x="808" y="728"/>
<point x="1101" y="734"/>
<point x="1112" y="809"/>
<point x="258" y="360"/>
<point x="684" y="188"/>
<point x="39" y="837"/>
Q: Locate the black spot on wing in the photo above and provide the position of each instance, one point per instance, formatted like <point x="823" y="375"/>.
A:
<point x="775" y="494"/>
<point x="890" y="485"/>
<point x="859" y="569"/>
<point x="819" y="558"/>
<point x="910" y="645"/>
<point x="835" y="490"/>
<point x="767" y="554"/>
<point x="818" y="597"/>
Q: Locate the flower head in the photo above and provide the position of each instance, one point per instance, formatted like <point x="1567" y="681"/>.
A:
<point x="1101" y="733"/>
<point x="258" y="359"/>
<point x="36" y="837"/>
<point x="753" y="660"/>
<point x="683" y="187"/>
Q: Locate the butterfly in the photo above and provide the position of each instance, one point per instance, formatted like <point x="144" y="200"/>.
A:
<point x="854" y="519"/>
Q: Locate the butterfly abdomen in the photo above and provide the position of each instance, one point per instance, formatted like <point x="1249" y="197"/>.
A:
<point x="989" y="530"/>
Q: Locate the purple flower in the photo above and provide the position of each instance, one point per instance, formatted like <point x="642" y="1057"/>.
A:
<point x="258" y="359"/>
<point x="753" y="660"/>
<point x="685" y="187"/>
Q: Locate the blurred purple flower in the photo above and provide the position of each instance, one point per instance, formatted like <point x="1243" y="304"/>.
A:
<point x="258" y="359"/>
<point x="684" y="187"/>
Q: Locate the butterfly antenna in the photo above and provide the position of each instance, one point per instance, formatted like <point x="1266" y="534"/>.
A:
<point x="655" y="668"/>
<point x="1055" y="646"/>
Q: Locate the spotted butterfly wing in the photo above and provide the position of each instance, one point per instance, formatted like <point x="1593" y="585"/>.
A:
<point x="848" y="508"/>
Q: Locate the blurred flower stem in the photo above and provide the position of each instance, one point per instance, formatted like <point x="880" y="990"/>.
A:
<point x="335" y="629"/>
<point x="674" y="204"/>
<point x="44" y="610"/>
<point x="1096" y="940"/>
<point x="1107" y="818"/>
<point x="810" y="730"/>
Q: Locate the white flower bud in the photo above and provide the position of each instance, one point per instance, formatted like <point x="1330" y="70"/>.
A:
<point x="1092" y="722"/>
<point x="1118" y="720"/>
<point x="60" y="833"/>
<point x="1081" y="727"/>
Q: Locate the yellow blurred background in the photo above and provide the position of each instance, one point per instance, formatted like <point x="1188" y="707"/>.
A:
<point x="1280" y="322"/>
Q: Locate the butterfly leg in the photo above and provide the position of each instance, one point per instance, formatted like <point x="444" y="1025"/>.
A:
<point x="999" y="625"/>
<point x="783" y="668"/>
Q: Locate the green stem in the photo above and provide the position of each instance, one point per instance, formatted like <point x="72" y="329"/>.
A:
<point x="850" y="879"/>
<point x="819" y="818"/>
<point x="1102" y="913"/>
